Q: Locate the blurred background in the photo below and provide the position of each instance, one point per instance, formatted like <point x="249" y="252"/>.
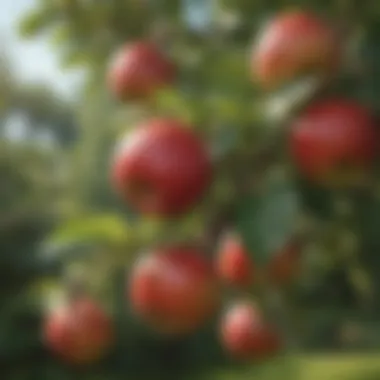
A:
<point x="59" y="216"/>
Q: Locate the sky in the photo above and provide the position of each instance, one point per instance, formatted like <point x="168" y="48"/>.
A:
<point x="35" y="61"/>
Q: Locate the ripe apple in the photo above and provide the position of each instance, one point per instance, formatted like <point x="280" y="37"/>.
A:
<point x="290" y="45"/>
<point x="233" y="262"/>
<point x="174" y="289"/>
<point x="80" y="332"/>
<point x="138" y="70"/>
<point x="285" y="265"/>
<point x="333" y="142"/>
<point x="246" y="335"/>
<point x="161" y="168"/>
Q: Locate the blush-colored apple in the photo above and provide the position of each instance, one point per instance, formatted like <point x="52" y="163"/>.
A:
<point x="174" y="289"/>
<point x="80" y="332"/>
<point x="234" y="265"/>
<point x="334" y="141"/>
<point x="246" y="335"/>
<point x="292" y="44"/>
<point x="161" y="168"/>
<point x="138" y="70"/>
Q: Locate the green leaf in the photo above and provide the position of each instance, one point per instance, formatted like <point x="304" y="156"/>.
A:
<point x="226" y="138"/>
<point x="266" y="220"/>
<point x="54" y="253"/>
<point x="295" y="95"/>
<point x="73" y="58"/>
<point x="34" y="23"/>
<point x="173" y="102"/>
<point x="61" y="35"/>
<point x="99" y="228"/>
<point x="316" y="200"/>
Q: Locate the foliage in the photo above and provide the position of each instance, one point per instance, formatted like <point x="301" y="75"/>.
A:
<point x="99" y="237"/>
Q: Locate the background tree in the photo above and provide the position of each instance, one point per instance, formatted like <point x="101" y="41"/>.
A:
<point x="32" y="179"/>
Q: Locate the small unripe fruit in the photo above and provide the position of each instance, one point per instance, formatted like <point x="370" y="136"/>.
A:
<point x="285" y="266"/>
<point x="246" y="335"/>
<point x="290" y="45"/>
<point x="79" y="332"/>
<point x="174" y="290"/>
<point x="138" y="70"/>
<point x="333" y="141"/>
<point x="233" y="263"/>
<point x="161" y="168"/>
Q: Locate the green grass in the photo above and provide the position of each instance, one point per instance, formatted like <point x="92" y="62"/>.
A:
<point x="336" y="367"/>
<point x="312" y="367"/>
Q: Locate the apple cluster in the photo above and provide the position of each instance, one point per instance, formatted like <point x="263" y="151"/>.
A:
<point x="162" y="169"/>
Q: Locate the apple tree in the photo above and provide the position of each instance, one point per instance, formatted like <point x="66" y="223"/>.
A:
<point x="222" y="204"/>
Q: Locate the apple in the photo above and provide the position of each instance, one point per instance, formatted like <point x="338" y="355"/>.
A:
<point x="333" y="142"/>
<point x="290" y="45"/>
<point x="233" y="263"/>
<point x="138" y="70"/>
<point x="80" y="332"/>
<point x="285" y="265"/>
<point x="161" y="168"/>
<point x="246" y="335"/>
<point x="174" y="289"/>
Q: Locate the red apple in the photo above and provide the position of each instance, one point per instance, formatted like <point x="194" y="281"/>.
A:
<point x="290" y="45"/>
<point x="332" y="140"/>
<point x="174" y="290"/>
<point x="285" y="265"/>
<point x="138" y="70"/>
<point x="246" y="335"/>
<point x="233" y="262"/>
<point x="161" y="168"/>
<point x="80" y="332"/>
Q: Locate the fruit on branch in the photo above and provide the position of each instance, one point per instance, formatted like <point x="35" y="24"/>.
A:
<point x="162" y="168"/>
<point x="233" y="263"/>
<point x="245" y="334"/>
<point x="333" y="142"/>
<point x="138" y="70"/>
<point x="285" y="265"/>
<point x="79" y="332"/>
<point x="293" y="44"/>
<point x="235" y="266"/>
<point x="174" y="290"/>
